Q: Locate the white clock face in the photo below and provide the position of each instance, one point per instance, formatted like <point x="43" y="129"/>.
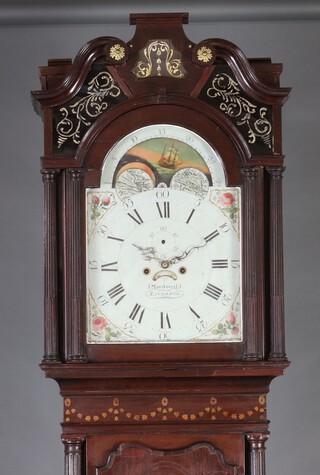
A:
<point x="163" y="262"/>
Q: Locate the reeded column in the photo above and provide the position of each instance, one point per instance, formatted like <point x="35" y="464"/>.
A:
<point x="75" y="276"/>
<point x="72" y="455"/>
<point x="251" y="309"/>
<point x="257" y="441"/>
<point x="277" y="329"/>
<point x="51" y="345"/>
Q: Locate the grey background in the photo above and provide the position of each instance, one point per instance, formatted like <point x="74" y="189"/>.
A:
<point x="33" y="31"/>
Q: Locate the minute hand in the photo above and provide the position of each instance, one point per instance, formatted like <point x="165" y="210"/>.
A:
<point x="185" y="254"/>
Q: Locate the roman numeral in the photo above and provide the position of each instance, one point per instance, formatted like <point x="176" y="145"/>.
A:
<point x="117" y="291"/>
<point x="135" y="311"/>
<point x="115" y="238"/>
<point x="190" y="216"/>
<point x="136" y="217"/>
<point x="213" y="291"/>
<point x="164" y="209"/>
<point x="164" y="320"/>
<point x="110" y="267"/>
<point x="195" y="313"/>
<point x="211" y="236"/>
<point x="219" y="263"/>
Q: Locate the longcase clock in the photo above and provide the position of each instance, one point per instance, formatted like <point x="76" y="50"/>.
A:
<point x="164" y="318"/>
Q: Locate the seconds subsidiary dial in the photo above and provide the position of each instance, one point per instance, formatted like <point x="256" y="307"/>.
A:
<point x="163" y="262"/>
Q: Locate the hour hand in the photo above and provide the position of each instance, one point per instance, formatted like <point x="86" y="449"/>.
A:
<point x="147" y="252"/>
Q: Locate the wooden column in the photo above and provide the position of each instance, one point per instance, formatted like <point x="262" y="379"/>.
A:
<point x="51" y="344"/>
<point x="277" y="333"/>
<point x="72" y="455"/>
<point x="75" y="324"/>
<point x="253" y="330"/>
<point x="257" y="449"/>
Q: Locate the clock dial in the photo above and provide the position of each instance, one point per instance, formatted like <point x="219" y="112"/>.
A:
<point x="163" y="263"/>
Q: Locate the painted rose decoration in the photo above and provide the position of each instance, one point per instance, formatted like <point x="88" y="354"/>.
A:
<point x="101" y="329"/>
<point x="228" y="326"/>
<point x="99" y="204"/>
<point x="228" y="203"/>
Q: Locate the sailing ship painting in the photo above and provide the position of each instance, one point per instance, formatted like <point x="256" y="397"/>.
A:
<point x="170" y="157"/>
<point x="162" y="156"/>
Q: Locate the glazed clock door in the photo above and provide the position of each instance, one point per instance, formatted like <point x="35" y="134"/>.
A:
<point x="163" y="243"/>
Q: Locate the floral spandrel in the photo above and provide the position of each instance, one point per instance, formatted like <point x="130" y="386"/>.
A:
<point x="228" y="327"/>
<point x="101" y="330"/>
<point x="227" y="201"/>
<point x="99" y="204"/>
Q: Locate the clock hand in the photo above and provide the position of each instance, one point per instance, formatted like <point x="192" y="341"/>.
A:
<point x="148" y="252"/>
<point x="185" y="254"/>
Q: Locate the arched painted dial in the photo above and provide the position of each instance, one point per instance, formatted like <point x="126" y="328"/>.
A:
<point x="163" y="243"/>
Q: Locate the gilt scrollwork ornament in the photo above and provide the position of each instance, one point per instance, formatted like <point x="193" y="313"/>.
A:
<point x="84" y="111"/>
<point x="159" y="58"/>
<point x="240" y="109"/>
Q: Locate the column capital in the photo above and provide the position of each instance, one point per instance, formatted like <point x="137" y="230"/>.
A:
<point x="250" y="172"/>
<point x="72" y="454"/>
<point x="73" y="443"/>
<point x="275" y="171"/>
<point x="257" y="440"/>
<point x="75" y="174"/>
<point x="49" y="174"/>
